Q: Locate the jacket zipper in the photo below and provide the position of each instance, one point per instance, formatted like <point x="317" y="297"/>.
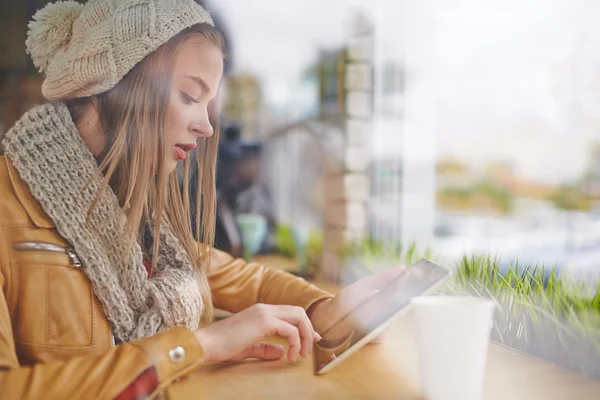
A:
<point x="48" y="247"/>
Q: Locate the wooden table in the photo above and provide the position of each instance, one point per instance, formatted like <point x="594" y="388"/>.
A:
<point x="384" y="371"/>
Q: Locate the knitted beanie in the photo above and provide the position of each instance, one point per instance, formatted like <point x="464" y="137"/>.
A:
<point x="86" y="49"/>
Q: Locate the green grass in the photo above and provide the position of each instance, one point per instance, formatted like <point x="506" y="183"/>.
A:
<point x="538" y="311"/>
<point x="376" y="255"/>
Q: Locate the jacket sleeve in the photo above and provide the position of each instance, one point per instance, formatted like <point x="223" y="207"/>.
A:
<point x="124" y="372"/>
<point x="237" y="285"/>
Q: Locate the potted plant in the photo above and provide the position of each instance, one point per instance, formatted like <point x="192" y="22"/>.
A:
<point x="538" y="311"/>
<point x="302" y="244"/>
<point x="557" y="319"/>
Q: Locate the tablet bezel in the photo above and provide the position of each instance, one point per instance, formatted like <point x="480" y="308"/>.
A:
<point x="379" y="329"/>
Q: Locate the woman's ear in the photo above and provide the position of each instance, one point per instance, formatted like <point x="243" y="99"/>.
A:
<point x="94" y="101"/>
<point x="89" y="125"/>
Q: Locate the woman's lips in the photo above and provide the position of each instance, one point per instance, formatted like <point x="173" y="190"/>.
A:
<point x="180" y="153"/>
<point x="181" y="150"/>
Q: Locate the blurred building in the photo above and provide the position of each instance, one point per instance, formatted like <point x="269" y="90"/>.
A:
<point x="592" y="181"/>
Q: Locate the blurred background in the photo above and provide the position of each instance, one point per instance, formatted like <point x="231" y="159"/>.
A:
<point x="462" y="126"/>
<point x="459" y="126"/>
<point x="369" y="133"/>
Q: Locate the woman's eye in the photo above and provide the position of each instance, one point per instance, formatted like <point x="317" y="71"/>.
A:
<point x="187" y="99"/>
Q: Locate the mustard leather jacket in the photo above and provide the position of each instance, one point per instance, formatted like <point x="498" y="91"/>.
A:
<point x="55" y="341"/>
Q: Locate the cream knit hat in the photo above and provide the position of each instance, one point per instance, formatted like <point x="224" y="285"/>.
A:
<point x="85" y="49"/>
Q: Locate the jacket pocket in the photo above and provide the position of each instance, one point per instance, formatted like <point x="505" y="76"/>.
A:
<point x="48" y="248"/>
<point x="56" y="302"/>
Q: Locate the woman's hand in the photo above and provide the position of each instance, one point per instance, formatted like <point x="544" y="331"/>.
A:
<point x="330" y="311"/>
<point x="236" y="337"/>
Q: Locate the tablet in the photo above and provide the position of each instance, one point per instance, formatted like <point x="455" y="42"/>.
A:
<point x="374" y="315"/>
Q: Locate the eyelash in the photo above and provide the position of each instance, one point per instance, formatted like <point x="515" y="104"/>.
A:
<point x="187" y="99"/>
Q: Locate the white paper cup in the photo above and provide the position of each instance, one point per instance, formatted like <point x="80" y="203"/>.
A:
<point x="452" y="336"/>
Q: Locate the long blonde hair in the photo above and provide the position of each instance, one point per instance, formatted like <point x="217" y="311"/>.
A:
<point x="132" y="115"/>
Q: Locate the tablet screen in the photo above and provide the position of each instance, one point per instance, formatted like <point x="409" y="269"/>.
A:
<point x="372" y="316"/>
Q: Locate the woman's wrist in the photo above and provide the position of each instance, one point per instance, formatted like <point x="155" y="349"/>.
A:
<point x="313" y="306"/>
<point x="203" y="339"/>
<point x="318" y="313"/>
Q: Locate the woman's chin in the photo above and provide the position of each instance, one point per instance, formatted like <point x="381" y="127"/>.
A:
<point x="170" y="166"/>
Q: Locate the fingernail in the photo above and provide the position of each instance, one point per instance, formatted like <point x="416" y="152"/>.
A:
<point x="318" y="336"/>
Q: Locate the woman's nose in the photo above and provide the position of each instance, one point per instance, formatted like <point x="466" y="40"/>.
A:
<point x="202" y="128"/>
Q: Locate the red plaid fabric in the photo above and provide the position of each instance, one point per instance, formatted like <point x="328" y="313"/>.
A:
<point x="148" y="265"/>
<point x="142" y="387"/>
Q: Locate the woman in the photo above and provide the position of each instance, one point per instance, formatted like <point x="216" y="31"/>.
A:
<point x="105" y="293"/>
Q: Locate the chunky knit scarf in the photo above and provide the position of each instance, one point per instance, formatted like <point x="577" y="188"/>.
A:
<point x="54" y="161"/>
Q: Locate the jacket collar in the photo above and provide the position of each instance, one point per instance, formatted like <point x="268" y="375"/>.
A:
<point x="30" y="204"/>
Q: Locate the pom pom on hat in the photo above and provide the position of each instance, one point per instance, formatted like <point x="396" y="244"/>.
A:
<point x="50" y="31"/>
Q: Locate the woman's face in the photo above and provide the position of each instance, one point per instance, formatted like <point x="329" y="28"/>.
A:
<point x="196" y="77"/>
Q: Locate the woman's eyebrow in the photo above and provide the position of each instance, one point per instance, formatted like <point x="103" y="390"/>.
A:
<point x="200" y="82"/>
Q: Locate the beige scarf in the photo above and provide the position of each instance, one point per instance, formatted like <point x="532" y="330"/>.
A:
<point x="54" y="161"/>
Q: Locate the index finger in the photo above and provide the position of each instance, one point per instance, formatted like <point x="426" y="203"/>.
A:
<point x="297" y="317"/>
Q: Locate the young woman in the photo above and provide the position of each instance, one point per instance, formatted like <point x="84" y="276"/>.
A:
<point x="105" y="293"/>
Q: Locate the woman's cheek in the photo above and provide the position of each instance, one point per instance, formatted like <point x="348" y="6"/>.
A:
<point x="175" y="119"/>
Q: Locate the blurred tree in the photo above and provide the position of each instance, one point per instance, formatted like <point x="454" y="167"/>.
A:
<point x="570" y="197"/>
<point x="497" y="194"/>
<point x="243" y="101"/>
<point x="329" y="70"/>
<point x="451" y="166"/>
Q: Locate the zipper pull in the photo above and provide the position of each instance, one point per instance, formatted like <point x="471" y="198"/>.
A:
<point x="74" y="258"/>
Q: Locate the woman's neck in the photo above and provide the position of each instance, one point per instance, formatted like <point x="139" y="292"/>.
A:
<point x="90" y="129"/>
